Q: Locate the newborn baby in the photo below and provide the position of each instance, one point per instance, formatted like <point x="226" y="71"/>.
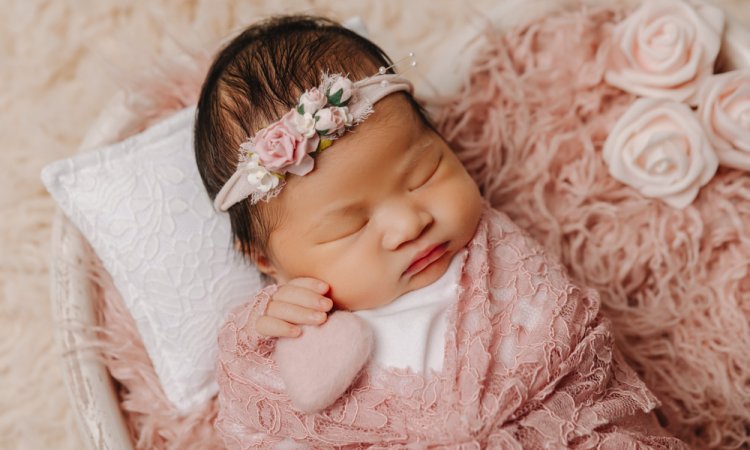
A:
<point x="348" y="199"/>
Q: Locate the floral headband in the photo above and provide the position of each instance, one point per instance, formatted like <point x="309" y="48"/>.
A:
<point x="290" y="144"/>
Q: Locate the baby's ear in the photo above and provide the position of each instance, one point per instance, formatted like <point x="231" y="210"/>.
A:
<point x="261" y="262"/>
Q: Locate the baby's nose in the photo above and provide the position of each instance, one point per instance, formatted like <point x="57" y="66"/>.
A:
<point x="404" y="224"/>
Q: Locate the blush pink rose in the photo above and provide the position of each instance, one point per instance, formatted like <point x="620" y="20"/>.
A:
<point x="312" y="100"/>
<point x="281" y="148"/>
<point x="665" y="49"/>
<point x="332" y="120"/>
<point x="725" y="112"/>
<point x="659" y="148"/>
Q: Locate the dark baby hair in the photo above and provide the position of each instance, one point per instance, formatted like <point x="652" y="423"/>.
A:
<point x="256" y="79"/>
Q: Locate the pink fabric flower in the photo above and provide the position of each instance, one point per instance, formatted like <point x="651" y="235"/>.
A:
<point x="665" y="49"/>
<point x="282" y="148"/>
<point x="659" y="148"/>
<point x="725" y="113"/>
<point x="312" y="100"/>
<point x="332" y="120"/>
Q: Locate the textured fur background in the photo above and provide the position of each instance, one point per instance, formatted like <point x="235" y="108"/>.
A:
<point x="60" y="62"/>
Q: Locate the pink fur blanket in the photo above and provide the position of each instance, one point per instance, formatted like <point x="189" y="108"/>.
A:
<point x="529" y="363"/>
<point x="529" y="125"/>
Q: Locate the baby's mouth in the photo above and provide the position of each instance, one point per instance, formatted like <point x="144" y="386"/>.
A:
<point x="425" y="258"/>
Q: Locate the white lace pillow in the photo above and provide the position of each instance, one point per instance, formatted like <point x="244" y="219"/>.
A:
<point x="141" y="205"/>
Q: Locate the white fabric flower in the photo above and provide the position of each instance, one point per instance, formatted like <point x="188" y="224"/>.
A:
<point x="725" y="112"/>
<point x="258" y="176"/>
<point x="312" y="100"/>
<point x="333" y="120"/>
<point x="659" y="148"/>
<point x="665" y="49"/>
<point x="340" y="84"/>
<point x="305" y="124"/>
<point x="346" y="115"/>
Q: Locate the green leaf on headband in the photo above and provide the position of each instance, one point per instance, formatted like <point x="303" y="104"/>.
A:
<point x="301" y="109"/>
<point x="322" y="132"/>
<point x="335" y="99"/>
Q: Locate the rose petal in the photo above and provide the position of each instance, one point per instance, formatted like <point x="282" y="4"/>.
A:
<point x="666" y="49"/>
<point x="724" y="111"/>
<point x="303" y="167"/>
<point x="658" y="147"/>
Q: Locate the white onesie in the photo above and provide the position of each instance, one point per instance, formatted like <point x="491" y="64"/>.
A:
<point x="410" y="331"/>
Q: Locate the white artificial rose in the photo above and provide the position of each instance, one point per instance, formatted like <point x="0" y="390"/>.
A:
<point x="267" y="182"/>
<point x="342" y="84"/>
<point x="332" y="120"/>
<point x="659" y="148"/>
<point x="258" y="176"/>
<point x="665" y="49"/>
<point x="345" y="115"/>
<point x="305" y="124"/>
<point x="725" y="112"/>
<point x="312" y="100"/>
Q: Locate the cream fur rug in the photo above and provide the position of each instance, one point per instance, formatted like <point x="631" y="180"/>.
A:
<point x="60" y="62"/>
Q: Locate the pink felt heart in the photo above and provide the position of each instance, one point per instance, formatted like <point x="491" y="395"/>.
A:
<point x="319" y="366"/>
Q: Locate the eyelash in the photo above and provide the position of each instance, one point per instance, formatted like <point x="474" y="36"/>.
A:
<point x="432" y="174"/>
<point x="352" y="233"/>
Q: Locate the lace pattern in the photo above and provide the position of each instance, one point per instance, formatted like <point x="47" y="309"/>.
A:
<point x="529" y="363"/>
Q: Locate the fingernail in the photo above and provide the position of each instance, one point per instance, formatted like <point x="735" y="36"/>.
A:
<point x="323" y="287"/>
<point x="318" y="316"/>
<point x="326" y="303"/>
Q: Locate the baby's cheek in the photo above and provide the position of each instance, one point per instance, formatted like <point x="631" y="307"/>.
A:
<point x="463" y="204"/>
<point x="356" y="285"/>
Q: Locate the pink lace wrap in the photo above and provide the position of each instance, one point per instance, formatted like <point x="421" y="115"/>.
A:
<point x="529" y="363"/>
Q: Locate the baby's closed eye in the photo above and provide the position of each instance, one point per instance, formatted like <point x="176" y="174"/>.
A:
<point x="344" y="229"/>
<point x="351" y="225"/>
<point x="350" y="228"/>
<point x="424" y="172"/>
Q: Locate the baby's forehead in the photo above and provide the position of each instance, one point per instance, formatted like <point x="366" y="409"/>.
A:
<point x="393" y="122"/>
<point x="375" y="147"/>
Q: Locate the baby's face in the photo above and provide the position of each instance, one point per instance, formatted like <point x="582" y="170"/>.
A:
<point x="384" y="195"/>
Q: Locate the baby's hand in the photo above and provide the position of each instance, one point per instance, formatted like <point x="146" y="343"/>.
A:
<point x="298" y="302"/>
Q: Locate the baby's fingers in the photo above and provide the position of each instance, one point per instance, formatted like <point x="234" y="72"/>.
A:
<point x="295" y="314"/>
<point x="321" y="287"/>
<point x="302" y="296"/>
<point x="273" y="327"/>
